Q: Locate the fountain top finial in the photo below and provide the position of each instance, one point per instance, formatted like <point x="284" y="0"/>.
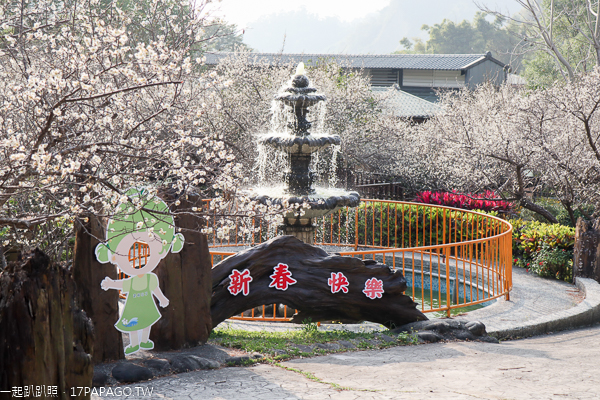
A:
<point x="300" y="80"/>
<point x="300" y="69"/>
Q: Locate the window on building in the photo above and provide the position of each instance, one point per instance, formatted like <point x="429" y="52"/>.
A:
<point x="432" y="78"/>
<point x="384" y="77"/>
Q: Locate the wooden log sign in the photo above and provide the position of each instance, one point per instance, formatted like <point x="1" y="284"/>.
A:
<point x="321" y="286"/>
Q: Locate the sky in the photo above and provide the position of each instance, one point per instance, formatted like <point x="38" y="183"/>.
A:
<point x="244" y="12"/>
<point x="343" y="26"/>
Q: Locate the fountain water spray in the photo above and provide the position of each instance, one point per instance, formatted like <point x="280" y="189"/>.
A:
<point x="300" y="144"/>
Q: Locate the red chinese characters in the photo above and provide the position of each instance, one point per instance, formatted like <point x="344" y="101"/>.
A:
<point x="337" y="282"/>
<point x="240" y="282"/>
<point x="373" y="288"/>
<point x="282" y="277"/>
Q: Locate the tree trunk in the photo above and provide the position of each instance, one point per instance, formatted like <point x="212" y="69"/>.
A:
<point x="102" y="306"/>
<point x="185" y="279"/>
<point x="45" y="339"/>
<point x="538" y="210"/>
<point x="586" y="254"/>
<point x="312" y="296"/>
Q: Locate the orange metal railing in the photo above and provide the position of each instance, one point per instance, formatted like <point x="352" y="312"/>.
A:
<point x="451" y="258"/>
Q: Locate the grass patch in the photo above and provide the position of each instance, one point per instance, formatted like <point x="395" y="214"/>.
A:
<point x="280" y="346"/>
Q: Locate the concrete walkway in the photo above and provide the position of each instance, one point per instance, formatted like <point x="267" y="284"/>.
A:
<point x="552" y="366"/>
<point x="559" y="366"/>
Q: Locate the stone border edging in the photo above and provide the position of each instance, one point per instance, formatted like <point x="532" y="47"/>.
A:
<point x="583" y="314"/>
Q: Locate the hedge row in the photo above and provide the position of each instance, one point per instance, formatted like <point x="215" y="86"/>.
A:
<point x="544" y="249"/>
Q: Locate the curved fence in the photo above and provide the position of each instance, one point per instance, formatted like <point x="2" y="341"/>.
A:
<point x="451" y="258"/>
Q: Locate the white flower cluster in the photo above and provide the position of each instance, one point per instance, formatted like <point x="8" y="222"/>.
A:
<point x="95" y="99"/>
<point x="515" y="142"/>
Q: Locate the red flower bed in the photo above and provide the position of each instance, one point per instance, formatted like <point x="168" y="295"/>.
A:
<point x="467" y="201"/>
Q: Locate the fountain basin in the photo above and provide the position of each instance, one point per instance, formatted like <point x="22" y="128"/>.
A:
<point x="300" y="144"/>
<point x="322" y="202"/>
<point x="301" y="90"/>
<point x="300" y="100"/>
<point x="318" y="207"/>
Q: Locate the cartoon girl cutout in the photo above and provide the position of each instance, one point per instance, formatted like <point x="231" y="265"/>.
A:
<point x="137" y="239"/>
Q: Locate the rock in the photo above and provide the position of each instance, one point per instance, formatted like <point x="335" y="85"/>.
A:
<point x="429" y="336"/>
<point x="183" y="364"/>
<point x="280" y="352"/>
<point x="448" y="329"/>
<point x="454" y="323"/>
<point x="128" y="373"/>
<point x="159" y="364"/>
<point x="438" y="326"/>
<point x="186" y="363"/>
<point x="346" y="344"/>
<point x="476" y="328"/>
<point x="464" y="335"/>
<point x="303" y="348"/>
<point x="386" y="338"/>
<point x="205" y="363"/>
<point x="329" y="346"/>
<point x="241" y="360"/>
<point x="488" y="339"/>
<point x="99" y="379"/>
<point x="413" y="327"/>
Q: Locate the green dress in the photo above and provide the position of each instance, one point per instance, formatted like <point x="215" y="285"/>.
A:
<point x="140" y="309"/>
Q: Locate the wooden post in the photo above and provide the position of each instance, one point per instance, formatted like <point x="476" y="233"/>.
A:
<point x="102" y="306"/>
<point x="45" y="339"/>
<point x="185" y="279"/>
<point x="586" y="253"/>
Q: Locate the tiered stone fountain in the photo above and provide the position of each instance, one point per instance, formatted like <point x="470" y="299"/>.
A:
<point x="300" y="147"/>
<point x="313" y="268"/>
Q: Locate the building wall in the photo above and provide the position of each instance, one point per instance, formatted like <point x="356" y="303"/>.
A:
<point x="485" y="71"/>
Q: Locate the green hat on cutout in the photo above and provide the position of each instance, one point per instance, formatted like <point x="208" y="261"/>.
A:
<point x="151" y="214"/>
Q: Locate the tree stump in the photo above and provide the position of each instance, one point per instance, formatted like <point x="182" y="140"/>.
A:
<point x="185" y="279"/>
<point x="586" y="252"/>
<point x="102" y="306"/>
<point x="311" y="295"/>
<point x="45" y="339"/>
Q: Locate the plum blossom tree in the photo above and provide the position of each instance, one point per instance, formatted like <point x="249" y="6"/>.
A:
<point x="510" y="141"/>
<point x="97" y="97"/>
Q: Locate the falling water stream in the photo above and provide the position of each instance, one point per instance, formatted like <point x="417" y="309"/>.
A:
<point x="270" y="161"/>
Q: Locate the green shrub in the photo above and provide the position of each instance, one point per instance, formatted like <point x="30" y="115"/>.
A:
<point x="530" y="236"/>
<point x="401" y="225"/>
<point x="544" y="249"/>
<point x="553" y="262"/>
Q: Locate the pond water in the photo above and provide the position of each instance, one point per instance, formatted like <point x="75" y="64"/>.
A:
<point x="426" y="302"/>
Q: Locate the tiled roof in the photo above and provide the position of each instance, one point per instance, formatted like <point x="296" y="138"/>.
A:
<point x="395" y="61"/>
<point x="405" y="105"/>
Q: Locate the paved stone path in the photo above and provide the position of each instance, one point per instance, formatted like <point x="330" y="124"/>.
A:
<point x="559" y="366"/>
<point x="532" y="297"/>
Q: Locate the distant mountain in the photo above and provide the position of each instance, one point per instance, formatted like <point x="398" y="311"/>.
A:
<point x="376" y="33"/>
